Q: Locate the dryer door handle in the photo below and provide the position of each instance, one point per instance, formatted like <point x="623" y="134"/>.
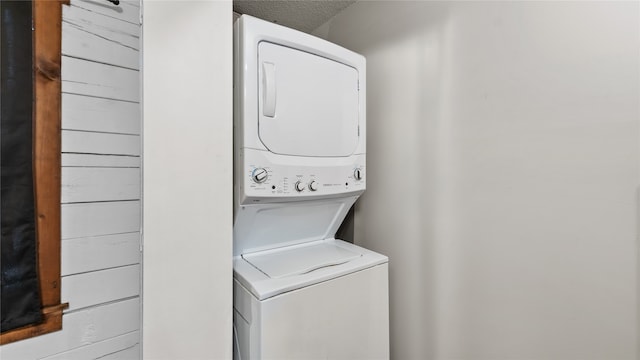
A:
<point x="269" y="89"/>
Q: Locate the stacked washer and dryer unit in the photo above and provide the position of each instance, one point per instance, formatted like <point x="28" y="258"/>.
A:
<point x="299" y="156"/>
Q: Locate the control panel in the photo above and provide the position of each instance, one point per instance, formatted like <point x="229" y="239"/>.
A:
<point x="269" y="177"/>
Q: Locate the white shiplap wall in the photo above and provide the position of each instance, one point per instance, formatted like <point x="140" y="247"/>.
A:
<point x="100" y="187"/>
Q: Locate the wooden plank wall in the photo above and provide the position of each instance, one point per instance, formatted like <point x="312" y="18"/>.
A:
<point x="101" y="122"/>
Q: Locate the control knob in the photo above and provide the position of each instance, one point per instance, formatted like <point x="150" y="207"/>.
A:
<point x="357" y="174"/>
<point x="259" y="175"/>
<point x="299" y="186"/>
<point x="313" y="185"/>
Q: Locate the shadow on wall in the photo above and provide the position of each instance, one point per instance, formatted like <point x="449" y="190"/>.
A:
<point x="406" y="137"/>
<point x="502" y="172"/>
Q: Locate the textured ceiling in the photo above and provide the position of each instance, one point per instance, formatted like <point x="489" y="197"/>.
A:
<point x="304" y="15"/>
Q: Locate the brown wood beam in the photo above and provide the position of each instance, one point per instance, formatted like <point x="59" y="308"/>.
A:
<point x="47" y="19"/>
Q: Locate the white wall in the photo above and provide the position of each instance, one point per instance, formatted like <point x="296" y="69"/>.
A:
<point x="100" y="210"/>
<point x="187" y="171"/>
<point x="502" y="173"/>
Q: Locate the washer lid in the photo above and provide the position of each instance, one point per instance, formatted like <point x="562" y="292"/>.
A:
<point x="330" y="262"/>
<point x="296" y="260"/>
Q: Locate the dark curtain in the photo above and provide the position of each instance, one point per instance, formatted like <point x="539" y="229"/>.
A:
<point x="20" y="292"/>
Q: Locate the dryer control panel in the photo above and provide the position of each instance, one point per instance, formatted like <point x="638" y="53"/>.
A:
<point x="268" y="177"/>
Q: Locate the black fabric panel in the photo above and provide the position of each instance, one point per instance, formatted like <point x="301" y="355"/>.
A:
<point x="20" y="292"/>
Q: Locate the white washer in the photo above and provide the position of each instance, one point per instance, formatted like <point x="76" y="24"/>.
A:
<point x="283" y="310"/>
<point x="299" y="155"/>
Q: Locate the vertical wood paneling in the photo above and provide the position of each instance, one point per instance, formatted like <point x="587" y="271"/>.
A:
<point x="100" y="184"/>
<point x="101" y="252"/>
<point x="103" y="218"/>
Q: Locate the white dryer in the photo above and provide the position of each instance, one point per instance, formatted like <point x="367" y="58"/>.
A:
<point x="299" y="165"/>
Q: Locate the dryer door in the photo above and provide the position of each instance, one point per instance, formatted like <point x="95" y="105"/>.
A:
<point x="308" y="105"/>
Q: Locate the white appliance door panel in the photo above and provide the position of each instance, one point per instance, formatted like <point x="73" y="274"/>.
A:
<point x="344" y="318"/>
<point x="308" y="105"/>
<point x="274" y="225"/>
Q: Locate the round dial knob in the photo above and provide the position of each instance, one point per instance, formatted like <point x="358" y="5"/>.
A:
<point x="299" y="186"/>
<point x="357" y="174"/>
<point x="313" y="185"/>
<point x="259" y="175"/>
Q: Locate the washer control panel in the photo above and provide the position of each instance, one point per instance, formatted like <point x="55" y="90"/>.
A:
<point x="269" y="177"/>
